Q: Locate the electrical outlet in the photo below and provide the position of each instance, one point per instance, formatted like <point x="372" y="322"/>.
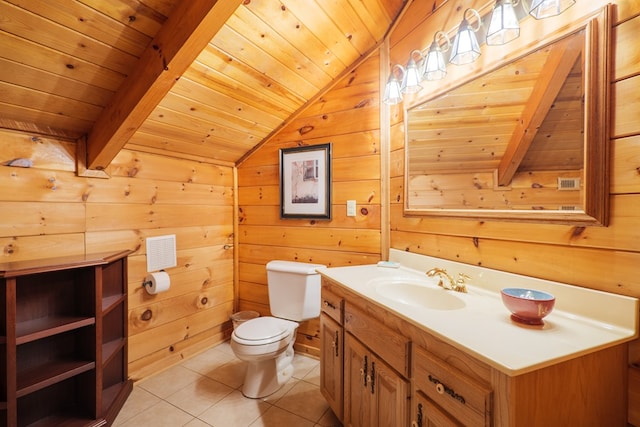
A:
<point x="351" y="208"/>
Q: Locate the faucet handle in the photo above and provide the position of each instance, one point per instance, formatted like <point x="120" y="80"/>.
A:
<point x="461" y="282"/>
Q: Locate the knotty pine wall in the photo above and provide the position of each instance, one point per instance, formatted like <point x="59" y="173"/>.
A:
<point x="48" y="211"/>
<point x="348" y="117"/>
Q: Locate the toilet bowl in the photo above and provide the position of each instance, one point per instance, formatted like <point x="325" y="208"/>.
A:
<point x="266" y="343"/>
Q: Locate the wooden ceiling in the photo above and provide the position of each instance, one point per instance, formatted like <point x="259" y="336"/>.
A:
<point x="200" y="79"/>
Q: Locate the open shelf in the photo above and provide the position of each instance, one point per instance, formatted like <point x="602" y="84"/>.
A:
<point x="49" y="374"/>
<point x="63" y="341"/>
<point x="36" y="329"/>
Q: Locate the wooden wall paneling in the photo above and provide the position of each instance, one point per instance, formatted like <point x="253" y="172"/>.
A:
<point x="627" y="53"/>
<point x="368" y="216"/>
<point x="587" y="267"/>
<point x="161" y="312"/>
<point x="621" y="233"/>
<point x="162" y="168"/>
<point x="625" y="153"/>
<point x="40" y="185"/>
<point x="351" y="240"/>
<point x="164" y="336"/>
<point x="35" y="218"/>
<point x="253" y="253"/>
<point x="625" y="107"/>
<point x="45" y="153"/>
<point x="24" y="248"/>
<point x="47" y="209"/>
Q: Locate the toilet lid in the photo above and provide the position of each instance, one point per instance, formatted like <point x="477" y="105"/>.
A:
<point x="262" y="328"/>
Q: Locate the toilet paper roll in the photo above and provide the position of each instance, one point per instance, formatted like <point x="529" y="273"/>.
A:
<point x="157" y="282"/>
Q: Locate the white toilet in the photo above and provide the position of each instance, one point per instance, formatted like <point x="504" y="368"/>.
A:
<point x="266" y="343"/>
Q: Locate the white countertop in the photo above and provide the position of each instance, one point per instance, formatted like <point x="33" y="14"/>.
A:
<point x="582" y="321"/>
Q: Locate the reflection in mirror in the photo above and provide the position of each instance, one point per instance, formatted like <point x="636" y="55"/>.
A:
<point x="515" y="143"/>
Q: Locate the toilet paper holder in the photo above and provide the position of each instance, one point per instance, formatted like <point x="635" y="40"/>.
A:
<point x="146" y="283"/>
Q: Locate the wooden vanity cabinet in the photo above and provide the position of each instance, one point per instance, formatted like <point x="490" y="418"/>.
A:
<point x="64" y="341"/>
<point x="450" y="387"/>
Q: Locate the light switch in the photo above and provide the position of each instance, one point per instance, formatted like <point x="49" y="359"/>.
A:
<point x="351" y="208"/>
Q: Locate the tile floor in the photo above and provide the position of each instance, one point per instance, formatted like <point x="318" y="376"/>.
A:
<point x="206" y="391"/>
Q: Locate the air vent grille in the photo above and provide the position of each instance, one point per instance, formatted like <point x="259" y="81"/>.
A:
<point x="569" y="184"/>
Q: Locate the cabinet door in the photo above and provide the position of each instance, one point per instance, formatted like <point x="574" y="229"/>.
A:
<point x="375" y="395"/>
<point x="357" y="400"/>
<point x="331" y="362"/>
<point x="391" y="395"/>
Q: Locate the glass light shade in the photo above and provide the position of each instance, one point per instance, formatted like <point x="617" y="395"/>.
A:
<point x="392" y="93"/>
<point x="411" y="79"/>
<point x="465" y="46"/>
<point x="503" y="26"/>
<point x="545" y="8"/>
<point x="435" y="67"/>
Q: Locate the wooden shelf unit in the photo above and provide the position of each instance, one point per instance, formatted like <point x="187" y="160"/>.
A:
<point x="63" y="341"/>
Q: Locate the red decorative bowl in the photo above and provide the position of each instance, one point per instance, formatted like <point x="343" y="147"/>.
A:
<point x="528" y="306"/>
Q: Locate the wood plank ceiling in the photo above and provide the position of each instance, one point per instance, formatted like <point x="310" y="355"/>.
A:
<point x="199" y="79"/>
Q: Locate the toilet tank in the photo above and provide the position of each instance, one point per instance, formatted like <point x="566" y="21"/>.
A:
<point x="294" y="289"/>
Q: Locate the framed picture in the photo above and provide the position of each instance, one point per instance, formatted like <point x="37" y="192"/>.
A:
<point x="305" y="182"/>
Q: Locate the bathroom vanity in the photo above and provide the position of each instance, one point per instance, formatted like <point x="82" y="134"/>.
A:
<point x="420" y="359"/>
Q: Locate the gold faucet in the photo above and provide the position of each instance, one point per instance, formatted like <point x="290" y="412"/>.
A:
<point x="457" y="285"/>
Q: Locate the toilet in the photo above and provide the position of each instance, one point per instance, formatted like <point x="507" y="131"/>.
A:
<point x="266" y="343"/>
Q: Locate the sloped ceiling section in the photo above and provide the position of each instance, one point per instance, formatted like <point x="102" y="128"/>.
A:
<point x="200" y="79"/>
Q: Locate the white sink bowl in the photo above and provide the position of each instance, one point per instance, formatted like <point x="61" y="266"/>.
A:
<point x="417" y="293"/>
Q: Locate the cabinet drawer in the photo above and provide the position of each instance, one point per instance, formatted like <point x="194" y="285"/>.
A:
<point x="466" y="399"/>
<point x="332" y="305"/>
<point x="392" y="347"/>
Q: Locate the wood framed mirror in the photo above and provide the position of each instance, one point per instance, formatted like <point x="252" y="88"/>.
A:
<point x="525" y="141"/>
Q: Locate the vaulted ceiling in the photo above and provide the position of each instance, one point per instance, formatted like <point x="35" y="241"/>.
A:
<point x="200" y="79"/>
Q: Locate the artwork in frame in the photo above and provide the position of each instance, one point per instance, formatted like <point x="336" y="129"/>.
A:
<point x="305" y="182"/>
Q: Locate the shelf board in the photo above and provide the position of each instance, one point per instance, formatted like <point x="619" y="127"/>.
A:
<point x="109" y="349"/>
<point x="36" y="329"/>
<point x="110" y="302"/>
<point x="49" y="374"/>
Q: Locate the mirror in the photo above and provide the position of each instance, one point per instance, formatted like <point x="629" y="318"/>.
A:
<point x="526" y="141"/>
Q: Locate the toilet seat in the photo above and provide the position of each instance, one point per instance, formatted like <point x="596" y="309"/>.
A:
<point x="263" y="330"/>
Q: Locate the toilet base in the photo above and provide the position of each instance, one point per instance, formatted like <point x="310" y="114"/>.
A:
<point x="265" y="377"/>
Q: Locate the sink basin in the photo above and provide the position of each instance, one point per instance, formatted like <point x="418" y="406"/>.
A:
<point x="417" y="293"/>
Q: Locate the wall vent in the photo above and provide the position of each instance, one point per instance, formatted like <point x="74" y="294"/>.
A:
<point x="569" y="208"/>
<point x="161" y="252"/>
<point x="569" y="184"/>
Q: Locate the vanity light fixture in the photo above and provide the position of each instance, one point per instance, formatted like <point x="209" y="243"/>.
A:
<point x="435" y="67"/>
<point x="392" y="90"/>
<point x="545" y="8"/>
<point x="411" y="79"/>
<point x="503" y="25"/>
<point x="465" y="46"/>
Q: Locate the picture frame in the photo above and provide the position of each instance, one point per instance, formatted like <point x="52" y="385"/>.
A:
<point x="305" y="182"/>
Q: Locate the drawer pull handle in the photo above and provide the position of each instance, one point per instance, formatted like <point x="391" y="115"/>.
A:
<point x="372" y="377"/>
<point x="441" y="388"/>
<point x="363" y="372"/>
<point x="328" y="304"/>
<point x="418" y="421"/>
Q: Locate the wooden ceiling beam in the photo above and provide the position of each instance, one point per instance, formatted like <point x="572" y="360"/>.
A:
<point x="559" y="63"/>
<point x="191" y="25"/>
